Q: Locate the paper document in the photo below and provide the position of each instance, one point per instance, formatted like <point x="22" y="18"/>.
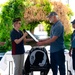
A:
<point x="32" y="36"/>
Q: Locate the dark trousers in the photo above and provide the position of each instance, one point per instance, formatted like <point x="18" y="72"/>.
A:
<point x="73" y="58"/>
<point x="58" y="61"/>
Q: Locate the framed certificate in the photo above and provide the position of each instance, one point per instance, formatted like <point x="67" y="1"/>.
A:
<point x="35" y="39"/>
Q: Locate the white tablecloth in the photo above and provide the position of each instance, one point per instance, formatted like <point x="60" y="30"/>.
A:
<point x="7" y="60"/>
<point x="7" y="64"/>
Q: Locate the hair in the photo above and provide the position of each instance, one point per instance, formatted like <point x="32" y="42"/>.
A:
<point x="16" y="19"/>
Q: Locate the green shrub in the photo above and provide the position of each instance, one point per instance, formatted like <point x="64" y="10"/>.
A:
<point x="67" y="38"/>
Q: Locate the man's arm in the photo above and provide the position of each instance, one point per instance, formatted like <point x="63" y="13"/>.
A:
<point x="47" y="41"/>
<point x="17" y="41"/>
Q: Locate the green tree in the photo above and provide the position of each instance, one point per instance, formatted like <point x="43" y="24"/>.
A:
<point x="12" y="9"/>
<point x="32" y="13"/>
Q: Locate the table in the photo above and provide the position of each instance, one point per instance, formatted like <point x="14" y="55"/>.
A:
<point x="7" y="64"/>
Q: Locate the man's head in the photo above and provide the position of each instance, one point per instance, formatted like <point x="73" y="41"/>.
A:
<point x="17" y="22"/>
<point x="53" y="17"/>
<point x="73" y="23"/>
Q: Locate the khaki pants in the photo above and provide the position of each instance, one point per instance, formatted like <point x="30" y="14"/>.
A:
<point x="19" y="62"/>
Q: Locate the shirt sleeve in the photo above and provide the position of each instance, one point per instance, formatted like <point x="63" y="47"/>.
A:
<point x="13" y="36"/>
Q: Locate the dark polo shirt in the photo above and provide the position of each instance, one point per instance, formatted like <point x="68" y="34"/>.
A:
<point x="17" y="48"/>
<point x="57" y="30"/>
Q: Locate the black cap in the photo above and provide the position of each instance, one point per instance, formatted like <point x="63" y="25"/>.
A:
<point x="73" y="22"/>
<point x="52" y="14"/>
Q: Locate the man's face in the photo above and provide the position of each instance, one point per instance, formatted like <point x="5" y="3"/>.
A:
<point x="18" y="24"/>
<point x="73" y="26"/>
<point x="51" y="19"/>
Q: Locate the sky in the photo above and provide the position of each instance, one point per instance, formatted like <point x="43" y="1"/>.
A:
<point x="3" y="1"/>
<point x="72" y="5"/>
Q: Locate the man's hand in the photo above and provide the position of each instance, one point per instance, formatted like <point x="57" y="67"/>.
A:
<point x="40" y="43"/>
<point x="24" y="35"/>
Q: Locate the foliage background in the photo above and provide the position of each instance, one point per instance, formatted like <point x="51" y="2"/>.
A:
<point x="10" y="10"/>
<point x="32" y="13"/>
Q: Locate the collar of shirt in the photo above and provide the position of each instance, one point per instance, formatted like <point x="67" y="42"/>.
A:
<point x="55" y="23"/>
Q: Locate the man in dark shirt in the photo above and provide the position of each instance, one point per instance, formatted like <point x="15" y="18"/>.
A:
<point x="72" y="48"/>
<point x="18" y="51"/>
